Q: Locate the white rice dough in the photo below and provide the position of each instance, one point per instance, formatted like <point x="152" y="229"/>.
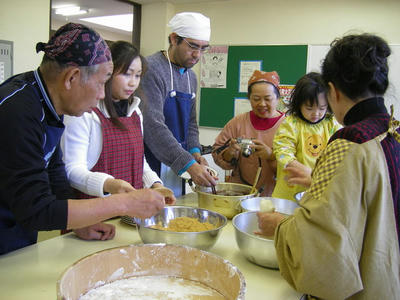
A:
<point x="266" y="205"/>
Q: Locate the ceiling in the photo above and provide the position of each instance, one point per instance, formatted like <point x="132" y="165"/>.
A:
<point x="105" y="8"/>
<point x="96" y="8"/>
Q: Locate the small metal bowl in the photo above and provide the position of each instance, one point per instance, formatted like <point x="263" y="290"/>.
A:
<point x="255" y="248"/>
<point x="282" y="206"/>
<point x="298" y="196"/>
<point x="202" y="240"/>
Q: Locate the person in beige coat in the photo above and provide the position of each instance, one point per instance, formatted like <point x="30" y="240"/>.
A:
<point x="343" y="240"/>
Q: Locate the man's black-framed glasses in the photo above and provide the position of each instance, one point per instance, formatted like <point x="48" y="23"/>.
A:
<point x="195" y="47"/>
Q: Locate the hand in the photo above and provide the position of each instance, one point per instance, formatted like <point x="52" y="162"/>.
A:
<point x="200" y="159"/>
<point x="99" y="231"/>
<point x="201" y="176"/>
<point x="262" y="150"/>
<point x="298" y="174"/>
<point x="169" y="197"/>
<point x="267" y="222"/>
<point x="116" y="186"/>
<point x="144" y="203"/>
<point x="232" y="152"/>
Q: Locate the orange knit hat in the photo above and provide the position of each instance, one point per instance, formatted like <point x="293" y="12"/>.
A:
<point x="260" y="76"/>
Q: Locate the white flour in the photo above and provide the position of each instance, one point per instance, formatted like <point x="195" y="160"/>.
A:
<point x="153" y="287"/>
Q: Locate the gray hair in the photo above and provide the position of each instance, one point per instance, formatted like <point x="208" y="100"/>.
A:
<point x="87" y="72"/>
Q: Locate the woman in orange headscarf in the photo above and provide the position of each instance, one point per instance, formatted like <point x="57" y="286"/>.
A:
<point x="245" y="143"/>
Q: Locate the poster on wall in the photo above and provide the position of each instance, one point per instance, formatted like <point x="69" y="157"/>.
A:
<point x="242" y="105"/>
<point x="246" y="69"/>
<point x="285" y="91"/>
<point x="213" y="67"/>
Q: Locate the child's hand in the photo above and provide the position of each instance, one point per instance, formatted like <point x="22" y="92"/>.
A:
<point x="298" y="174"/>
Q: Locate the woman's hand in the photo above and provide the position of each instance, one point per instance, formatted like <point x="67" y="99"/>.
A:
<point x="168" y="194"/>
<point x="262" y="150"/>
<point x="267" y="222"/>
<point x="116" y="186"/>
<point x="232" y="152"/>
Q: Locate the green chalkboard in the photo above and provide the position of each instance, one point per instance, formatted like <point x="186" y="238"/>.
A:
<point x="217" y="104"/>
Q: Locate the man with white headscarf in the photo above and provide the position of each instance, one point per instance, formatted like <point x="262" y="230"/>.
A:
<point x="170" y="128"/>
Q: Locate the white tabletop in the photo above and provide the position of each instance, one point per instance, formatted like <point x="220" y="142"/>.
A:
<point x="32" y="272"/>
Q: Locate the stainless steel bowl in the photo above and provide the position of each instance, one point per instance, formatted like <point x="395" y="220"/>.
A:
<point x="227" y="205"/>
<point x="298" y="196"/>
<point x="256" y="249"/>
<point x="283" y="206"/>
<point x="202" y="240"/>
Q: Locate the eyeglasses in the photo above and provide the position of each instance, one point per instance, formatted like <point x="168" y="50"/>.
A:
<point x="194" y="47"/>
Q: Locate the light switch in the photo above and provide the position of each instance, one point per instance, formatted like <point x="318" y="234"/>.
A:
<point x="6" y="60"/>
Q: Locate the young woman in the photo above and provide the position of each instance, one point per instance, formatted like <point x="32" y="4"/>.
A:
<point x="103" y="149"/>
<point x="343" y="242"/>
<point x="304" y="134"/>
<point x="259" y="125"/>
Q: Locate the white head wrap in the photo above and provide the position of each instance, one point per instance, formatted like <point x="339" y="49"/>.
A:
<point x="191" y="25"/>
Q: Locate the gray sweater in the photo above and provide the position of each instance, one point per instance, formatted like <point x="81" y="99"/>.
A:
<point x="156" y="84"/>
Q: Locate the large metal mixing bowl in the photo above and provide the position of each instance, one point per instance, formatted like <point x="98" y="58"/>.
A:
<point x="227" y="203"/>
<point x="202" y="240"/>
<point x="257" y="249"/>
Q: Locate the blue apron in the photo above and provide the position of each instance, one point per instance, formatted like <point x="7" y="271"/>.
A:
<point x="15" y="235"/>
<point x="177" y="112"/>
<point x="177" y="116"/>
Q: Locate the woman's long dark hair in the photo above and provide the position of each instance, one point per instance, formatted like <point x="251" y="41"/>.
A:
<point x="123" y="53"/>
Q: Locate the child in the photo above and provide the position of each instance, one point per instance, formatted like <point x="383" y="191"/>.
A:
<point x="103" y="149"/>
<point x="304" y="134"/>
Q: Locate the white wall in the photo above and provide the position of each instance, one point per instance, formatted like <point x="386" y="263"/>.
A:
<point x="262" y="22"/>
<point x="154" y="33"/>
<point x="25" y="22"/>
<point x="297" y="22"/>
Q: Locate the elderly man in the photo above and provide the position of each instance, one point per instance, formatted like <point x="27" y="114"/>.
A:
<point x="170" y="128"/>
<point x="34" y="191"/>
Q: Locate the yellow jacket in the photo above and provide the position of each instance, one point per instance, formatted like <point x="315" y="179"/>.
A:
<point x="301" y="141"/>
